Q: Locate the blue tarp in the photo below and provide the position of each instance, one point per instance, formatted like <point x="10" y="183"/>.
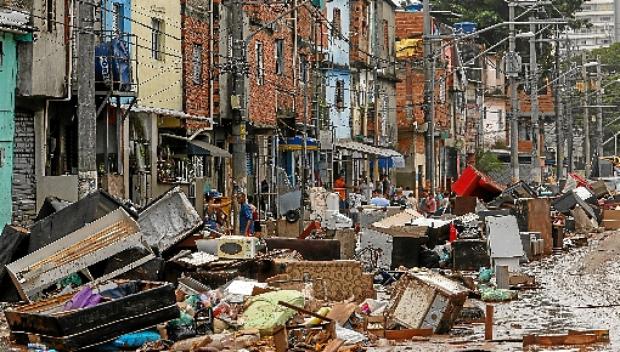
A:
<point x="112" y="64"/>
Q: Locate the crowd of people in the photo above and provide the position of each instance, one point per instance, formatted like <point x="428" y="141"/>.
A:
<point x="385" y="193"/>
<point x="366" y="192"/>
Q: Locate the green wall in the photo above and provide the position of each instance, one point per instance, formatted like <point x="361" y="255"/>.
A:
<point x="8" y="76"/>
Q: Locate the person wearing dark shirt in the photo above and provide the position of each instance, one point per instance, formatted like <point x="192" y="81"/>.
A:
<point x="246" y="216"/>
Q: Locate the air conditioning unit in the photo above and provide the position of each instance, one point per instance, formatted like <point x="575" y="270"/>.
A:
<point x="237" y="247"/>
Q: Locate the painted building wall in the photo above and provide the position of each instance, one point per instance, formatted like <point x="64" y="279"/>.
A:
<point x="339" y="117"/>
<point x="338" y="55"/>
<point x="8" y="76"/>
<point x="43" y="63"/>
<point x="338" y="46"/>
<point x="160" y="80"/>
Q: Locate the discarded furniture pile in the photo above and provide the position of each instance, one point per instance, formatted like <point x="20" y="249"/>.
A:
<point x="101" y="274"/>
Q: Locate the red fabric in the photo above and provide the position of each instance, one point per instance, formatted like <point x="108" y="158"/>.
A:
<point x="453" y="233"/>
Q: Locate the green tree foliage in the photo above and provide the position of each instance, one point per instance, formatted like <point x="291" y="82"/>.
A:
<point x="487" y="162"/>
<point x="610" y="58"/>
<point x="489" y="12"/>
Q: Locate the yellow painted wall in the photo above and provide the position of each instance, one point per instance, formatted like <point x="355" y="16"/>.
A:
<point x="160" y="82"/>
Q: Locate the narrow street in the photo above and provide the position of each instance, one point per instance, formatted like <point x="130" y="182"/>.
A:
<point x="579" y="291"/>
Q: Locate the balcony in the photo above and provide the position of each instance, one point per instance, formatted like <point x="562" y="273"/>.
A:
<point x="115" y="64"/>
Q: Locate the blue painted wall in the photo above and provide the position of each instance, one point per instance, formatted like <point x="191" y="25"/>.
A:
<point x="108" y="16"/>
<point x="8" y="81"/>
<point x="338" y="49"/>
<point x="339" y="118"/>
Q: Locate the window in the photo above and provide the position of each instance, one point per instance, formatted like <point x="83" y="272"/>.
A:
<point x="339" y="95"/>
<point x="303" y="69"/>
<point x="50" y="15"/>
<point x="260" y="68"/>
<point x="336" y="23"/>
<point x="605" y="19"/>
<point x="157" y="31"/>
<point x="279" y="56"/>
<point x="197" y="64"/>
<point x="117" y="18"/>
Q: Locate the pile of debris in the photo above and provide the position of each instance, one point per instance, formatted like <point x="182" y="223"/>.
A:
<point x="99" y="273"/>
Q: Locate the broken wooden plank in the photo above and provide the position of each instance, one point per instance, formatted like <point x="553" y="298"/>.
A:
<point x="602" y="335"/>
<point x="280" y="339"/>
<point x="559" y="340"/>
<point x="488" y="322"/>
<point x="333" y="345"/>
<point x="341" y="312"/>
<point x="407" y="334"/>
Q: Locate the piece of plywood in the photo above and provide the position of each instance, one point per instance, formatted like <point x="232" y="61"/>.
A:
<point x="559" y="340"/>
<point x="341" y="312"/>
<point x="407" y="334"/>
<point x="611" y="224"/>
<point x="611" y="215"/>
<point x="539" y="220"/>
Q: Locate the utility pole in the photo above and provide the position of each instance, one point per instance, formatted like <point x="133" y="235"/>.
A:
<point x="535" y="155"/>
<point x="586" y="115"/>
<point x="87" y="123"/>
<point x="514" y="103"/>
<point x="429" y="96"/>
<point x="375" y="51"/>
<point x="559" y="126"/>
<point x="598" y="138"/>
<point x="482" y="111"/>
<point x="240" y="111"/>
<point x="570" y="130"/>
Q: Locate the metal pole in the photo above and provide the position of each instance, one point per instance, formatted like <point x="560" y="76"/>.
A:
<point x="87" y="120"/>
<point x="429" y="76"/>
<point x="570" y="139"/>
<point x="375" y="51"/>
<point x="598" y="138"/>
<point x="559" y="127"/>
<point x="514" y="103"/>
<point x="304" y="160"/>
<point x="586" y="116"/>
<point x="535" y="155"/>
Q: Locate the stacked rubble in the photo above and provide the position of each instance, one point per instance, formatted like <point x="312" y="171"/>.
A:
<point x="100" y="274"/>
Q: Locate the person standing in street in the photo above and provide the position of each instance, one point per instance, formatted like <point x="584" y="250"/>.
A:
<point x="246" y="216"/>
<point x="386" y="186"/>
<point x="430" y="204"/>
<point x="367" y="187"/>
<point x="340" y="187"/>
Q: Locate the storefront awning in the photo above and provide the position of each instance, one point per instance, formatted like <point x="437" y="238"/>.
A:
<point x="173" y="114"/>
<point x="209" y="148"/>
<point x="368" y="149"/>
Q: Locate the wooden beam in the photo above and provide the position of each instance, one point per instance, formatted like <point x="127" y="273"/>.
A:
<point x="559" y="340"/>
<point x="407" y="334"/>
<point x="488" y="322"/>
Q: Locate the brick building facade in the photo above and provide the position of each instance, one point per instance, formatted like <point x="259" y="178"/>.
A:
<point x="276" y="88"/>
<point x="199" y="73"/>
